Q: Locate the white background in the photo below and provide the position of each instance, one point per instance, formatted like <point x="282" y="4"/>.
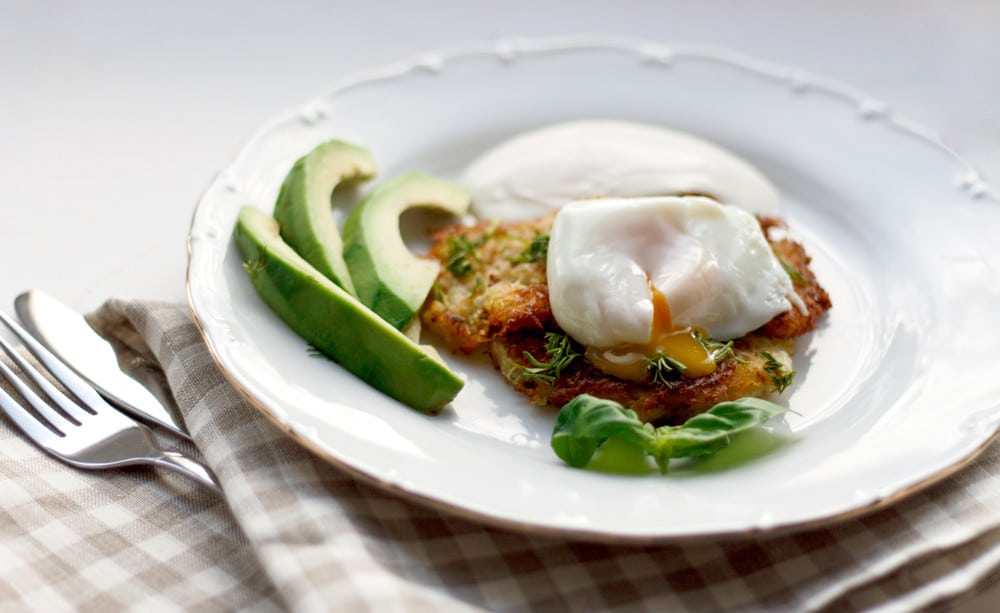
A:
<point x="114" y="116"/>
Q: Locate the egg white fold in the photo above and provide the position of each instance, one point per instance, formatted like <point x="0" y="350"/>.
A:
<point x="710" y="261"/>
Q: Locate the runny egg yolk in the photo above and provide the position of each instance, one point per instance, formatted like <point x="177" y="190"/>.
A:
<point x="630" y="361"/>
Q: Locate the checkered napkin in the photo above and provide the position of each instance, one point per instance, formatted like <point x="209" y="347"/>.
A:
<point x="295" y="533"/>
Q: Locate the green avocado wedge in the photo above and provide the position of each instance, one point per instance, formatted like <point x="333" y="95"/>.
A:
<point x="303" y="205"/>
<point x="336" y="323"/>
<point x="388" y="278"/>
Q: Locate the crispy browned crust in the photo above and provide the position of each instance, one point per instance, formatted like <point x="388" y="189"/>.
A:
<point x="794" y="322"/>
<point x="744" y="375"/>
<point x="503" y="300"/>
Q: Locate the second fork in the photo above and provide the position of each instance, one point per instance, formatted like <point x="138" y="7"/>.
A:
<point x="88" y="434"/>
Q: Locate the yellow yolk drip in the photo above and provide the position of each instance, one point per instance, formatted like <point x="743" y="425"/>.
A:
<point x="629" y="361"/>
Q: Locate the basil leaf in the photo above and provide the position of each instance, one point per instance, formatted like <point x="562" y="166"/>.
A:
<point x="585" y="422"/>
<point x="617" y="456"/>
<point x="712" y="430"/>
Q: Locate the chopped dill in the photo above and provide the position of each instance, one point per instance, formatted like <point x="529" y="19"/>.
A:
<point x="718" y="350"/>
<point x="664" y="369"/>
<point x="462" y="258"/>
<point x="560" y="351"/>
<point x="780" y="378"/>
<point x="461" y="254"/>
<point x="536" y="251"/>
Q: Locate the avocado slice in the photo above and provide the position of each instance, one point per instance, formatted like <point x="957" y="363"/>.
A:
<point x="303" y="206"/>
<point x="336" y="323"/>
<point x="388" y="278"/>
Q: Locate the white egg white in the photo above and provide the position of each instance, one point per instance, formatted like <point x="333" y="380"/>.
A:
<point x="711" y="262"/>
<point x="539" y="171"/>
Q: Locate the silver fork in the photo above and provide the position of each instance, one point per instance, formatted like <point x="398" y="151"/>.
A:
<point x="90" y="433"/>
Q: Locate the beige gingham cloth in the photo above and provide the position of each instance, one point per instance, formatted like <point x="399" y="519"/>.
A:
<point x="294" y="533"/>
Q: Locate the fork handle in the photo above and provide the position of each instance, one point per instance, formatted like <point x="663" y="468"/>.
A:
<point x="184" y="465"/>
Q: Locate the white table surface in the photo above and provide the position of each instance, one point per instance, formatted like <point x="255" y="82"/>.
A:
<point x="114" y="116"/>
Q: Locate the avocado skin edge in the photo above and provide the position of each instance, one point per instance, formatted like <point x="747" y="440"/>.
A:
<point x="336" y="323"/>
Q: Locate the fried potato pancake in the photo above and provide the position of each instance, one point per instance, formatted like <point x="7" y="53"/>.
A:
<point x="492" y="293"/>
<point x="490" y="285"/>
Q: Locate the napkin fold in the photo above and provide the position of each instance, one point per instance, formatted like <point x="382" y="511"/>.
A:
<point x="295" y="533"/>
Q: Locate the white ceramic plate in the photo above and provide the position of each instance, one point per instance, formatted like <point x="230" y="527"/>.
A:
<point x="895" y="390"/>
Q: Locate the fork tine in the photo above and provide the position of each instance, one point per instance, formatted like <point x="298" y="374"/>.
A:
<point x="71" y="409"/>
<point x="32" y="425"/>
<point x="86" y="394"/>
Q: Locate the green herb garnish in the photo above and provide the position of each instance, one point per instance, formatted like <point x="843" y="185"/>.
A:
<point x="560" y="351"/>
<point x="664" y="369"/>
<point x="586" y="422"/>
<point x="780" y="377"/>
<point x="462" y="254"/>
<point x="718" y="350"/>
<point x="791" y="271"/>
<point x="462" y="257"/>
<point x="536" y="251"/>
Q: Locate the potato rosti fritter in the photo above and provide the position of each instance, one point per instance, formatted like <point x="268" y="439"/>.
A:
<point x="492" y="292"/>
<point x="492" y="282"/>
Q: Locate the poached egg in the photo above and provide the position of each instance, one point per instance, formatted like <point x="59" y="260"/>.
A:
<point x="632" y="277"/>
